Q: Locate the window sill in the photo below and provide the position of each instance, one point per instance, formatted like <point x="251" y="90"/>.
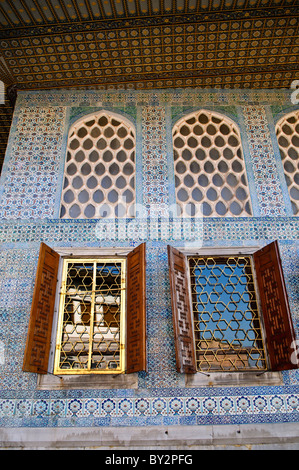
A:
<point x="82" y="382"/>
<point x="233" y="379"/>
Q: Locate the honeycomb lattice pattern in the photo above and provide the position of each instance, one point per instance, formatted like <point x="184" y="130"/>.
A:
<point x="287" y="131"/>
<point x="99" y="178"/>
<point x="209" y="166"/>
<point x="226" y="319"/>
<point x="91" y="317"/>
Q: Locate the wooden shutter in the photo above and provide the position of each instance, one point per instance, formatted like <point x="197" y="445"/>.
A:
<point x="136" y="310"/>
<point x="181" y="311"/>
<point x="275" y="307"/>
<point x="42" y="309"/>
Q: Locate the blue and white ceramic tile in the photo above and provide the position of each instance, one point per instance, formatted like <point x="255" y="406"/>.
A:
<point x="29" y="206"/>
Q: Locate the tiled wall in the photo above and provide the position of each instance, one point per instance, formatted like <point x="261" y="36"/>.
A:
<point x="31" y="183"/>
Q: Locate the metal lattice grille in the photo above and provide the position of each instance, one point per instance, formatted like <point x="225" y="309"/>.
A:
<point x="90" y="336"/>
<point x="227" y="326"/>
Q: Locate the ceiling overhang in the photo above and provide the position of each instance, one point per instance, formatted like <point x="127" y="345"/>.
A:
<point x="148" y="44"/>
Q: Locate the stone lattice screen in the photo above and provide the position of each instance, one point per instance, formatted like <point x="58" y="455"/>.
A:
<point x="287" y="131"/>
<point x="99" y="177"/>
<point x="210" y="174"/>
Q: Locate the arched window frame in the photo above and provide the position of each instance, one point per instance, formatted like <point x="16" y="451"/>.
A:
<point x="122" y="174"/>
<point x="241" y="185"/>
<point x="289" y="155"/>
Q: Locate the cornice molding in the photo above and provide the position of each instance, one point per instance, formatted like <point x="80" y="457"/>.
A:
<point x="147" y="21"/>
<point x="186" y="74"/>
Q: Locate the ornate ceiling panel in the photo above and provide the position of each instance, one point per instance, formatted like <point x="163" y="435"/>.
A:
<point x="149" y="43"/>
<point x="145" y="44"/>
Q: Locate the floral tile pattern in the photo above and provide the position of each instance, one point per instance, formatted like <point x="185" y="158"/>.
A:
<point x="30" y="192"/>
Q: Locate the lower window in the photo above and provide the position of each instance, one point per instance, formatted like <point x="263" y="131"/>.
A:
<point x="101" y="325"/>
<point x="91" y="324"/>
<point x="227" y="324"/>
<point x="231" y="313"/>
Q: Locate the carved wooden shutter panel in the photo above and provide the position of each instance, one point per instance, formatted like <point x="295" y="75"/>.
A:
<point x="136" y="310"/>
<point x="181" y="312"/>
<point x="275" y="306"/>
<point x="42" y="309"/>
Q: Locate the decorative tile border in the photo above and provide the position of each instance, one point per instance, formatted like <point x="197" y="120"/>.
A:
<point x="150" y="410"/>
<point x="174" y="96"/>
<point x="155" y="168"/>
<point x="264" y="164"/>
<point x="31" y="172"/>
<point x="111" y="231"/>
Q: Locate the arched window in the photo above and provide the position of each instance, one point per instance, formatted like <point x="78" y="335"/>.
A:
<point x="99" y="177"/>
<point x="287" y="131"/>
<point x="209" y="166"/>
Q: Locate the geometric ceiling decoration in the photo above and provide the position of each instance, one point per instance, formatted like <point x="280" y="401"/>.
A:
<point x="146" y="44"/>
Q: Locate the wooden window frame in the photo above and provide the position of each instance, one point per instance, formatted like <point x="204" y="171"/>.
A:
<point x="189" y="367"/>
<point x="136" y="305"/>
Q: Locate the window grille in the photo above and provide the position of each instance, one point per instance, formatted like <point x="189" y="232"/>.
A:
<point x="218" y="320"/>
<point x="209" y="166"/>
<point x="227" y="326"/>
<point x="99" y="179"/>
<point x="90" y="335"/>
<point x="287" y="131"/>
